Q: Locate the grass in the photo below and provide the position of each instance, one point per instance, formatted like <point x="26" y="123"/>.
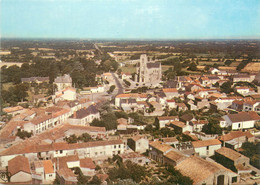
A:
<point x="128" y="69"/>
<point x="6" y="86"/>
<point x="165" y="67"/>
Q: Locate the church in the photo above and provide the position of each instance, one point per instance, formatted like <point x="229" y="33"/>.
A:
<point x="148" y="73"/>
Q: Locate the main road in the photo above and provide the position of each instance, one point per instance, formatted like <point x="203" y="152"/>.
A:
<point x="120" y="88"/>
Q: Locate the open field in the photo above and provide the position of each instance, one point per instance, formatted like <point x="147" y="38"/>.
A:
<point x="252" y="67"/>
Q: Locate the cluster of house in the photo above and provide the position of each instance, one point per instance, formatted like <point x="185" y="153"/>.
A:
<point x="46" y="157"/>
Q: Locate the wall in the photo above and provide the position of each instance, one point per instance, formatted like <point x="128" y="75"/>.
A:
<point x="21" y="177"/>
<point x="204" y="152"/>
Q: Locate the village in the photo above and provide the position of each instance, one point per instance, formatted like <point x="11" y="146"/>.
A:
<point x="139" y="123"/>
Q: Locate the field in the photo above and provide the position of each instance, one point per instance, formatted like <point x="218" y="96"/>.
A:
<point x="254" y="67"/>
<point x="128" y="69"/>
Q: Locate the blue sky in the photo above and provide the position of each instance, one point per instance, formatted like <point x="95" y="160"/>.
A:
<point x="131" y="19"/>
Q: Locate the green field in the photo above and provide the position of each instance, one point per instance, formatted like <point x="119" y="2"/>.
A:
<point x="128" y="69"/>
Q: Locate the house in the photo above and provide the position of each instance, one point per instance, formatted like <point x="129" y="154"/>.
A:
<point x="171" y="104"/>
<point x="233" y="160"/>
<point x="170" y="93"/>
<point x="244" y="90"/>
<point x="66" y="176"/>
<point x="87" y="166"/>
<point x="242" y="78"/>
<point x="251" y="105"/>
<point x="62" y="82"/>
<point x="169" y="140"/>
<point x="135" y="158"/>
<point x="69" y="93"/>
<point x="37" y="80"/>
<point x="44" y="171"/>
<point x="206" y="148"/>
<point x="122" y="124"/>
<point x="203" y="172"/>
<point x="198" y="125"/>
<point x="34" y="150"/>
<point x="84" y="116"/>
<point x="235" y="139"/>
<point x="157" y="150"/>
<point x="19" y="169"/>
<point x="173" y="157"/>
<point x="164" y="120"/>
<point x="181" y="107"/>
<point x="237" y="105"/>
<point x="13" y="110"/>
<point x="180" y="127"/>
<point x="138" y="144"/>
<point x="241" y="120"/>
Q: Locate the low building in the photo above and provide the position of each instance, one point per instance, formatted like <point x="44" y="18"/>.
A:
<point x="169" y="140"/>
<point x="138" y="144"/>
<point x="173" y="157"/>
<point x="233" y="160"/>
<point x="66" y="176"/>
<point x="207" y="147"/>
<point x="235" y="139"/>
<point x="62" y="82"/>
<point x="241" y="120"/>
<point x="19" y="169"/>
<point x="157" y="150"/>
<point x="84" y="116"/>
<point x="198" y="125"/>
<point x="163" y="120"/>
<point x="180" y="127"/>
<point x="203" y="172"/>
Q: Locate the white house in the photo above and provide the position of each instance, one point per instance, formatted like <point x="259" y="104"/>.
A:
<point x="241" y="120"/>
<point x="206" y="148"/>
<point x="67" y="94"/>
<point x="163" y="120"/>
<point x="63" y="81"/>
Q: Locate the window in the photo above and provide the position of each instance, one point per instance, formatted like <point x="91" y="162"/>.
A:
<point x="239" y="125"/>
<point x="50" y="175"/>
<point x="115" y="146"/>
<point x="61" y="151"/>
<point x="96" y="153"/>
<point x="119" y="146"/>
<point x="140" y="161"/>
<point x="207" y="147"/>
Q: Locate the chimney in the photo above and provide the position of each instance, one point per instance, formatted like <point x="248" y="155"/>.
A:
<point x="74" y="114"/>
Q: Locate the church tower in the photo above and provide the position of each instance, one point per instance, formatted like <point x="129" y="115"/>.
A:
<point x="143" y="66"/>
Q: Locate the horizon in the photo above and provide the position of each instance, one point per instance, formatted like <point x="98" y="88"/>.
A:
<point x="131" y="19"/>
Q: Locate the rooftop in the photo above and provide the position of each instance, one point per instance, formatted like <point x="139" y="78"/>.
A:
<point x="198" y="144"/>
<point x="229" y="153"/>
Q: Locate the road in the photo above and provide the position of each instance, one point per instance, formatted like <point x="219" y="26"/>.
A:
<point x="120" y="88"/>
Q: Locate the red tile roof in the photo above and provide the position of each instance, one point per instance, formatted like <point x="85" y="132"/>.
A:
<point x="17" y="164"/>
<point x="198" y="144"/>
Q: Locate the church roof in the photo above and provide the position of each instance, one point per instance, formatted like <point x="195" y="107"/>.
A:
<point x="153" y="65"/>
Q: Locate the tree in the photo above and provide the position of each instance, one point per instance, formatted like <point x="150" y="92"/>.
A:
<point x="95" y="180"/>
<point x="252" y="150"/>
<point x="71" y="139"/>
<point x="177" y="178"/>
<point x="226" y="87"/>
<point x="111" y="89"/>
<point x="192" y="67"/>
<point x="212" y="127"/>
<point x="23" y="134"/>
<point x="228" y="62"/>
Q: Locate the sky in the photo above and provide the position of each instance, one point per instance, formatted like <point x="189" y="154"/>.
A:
<point x="130" y="19"/>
